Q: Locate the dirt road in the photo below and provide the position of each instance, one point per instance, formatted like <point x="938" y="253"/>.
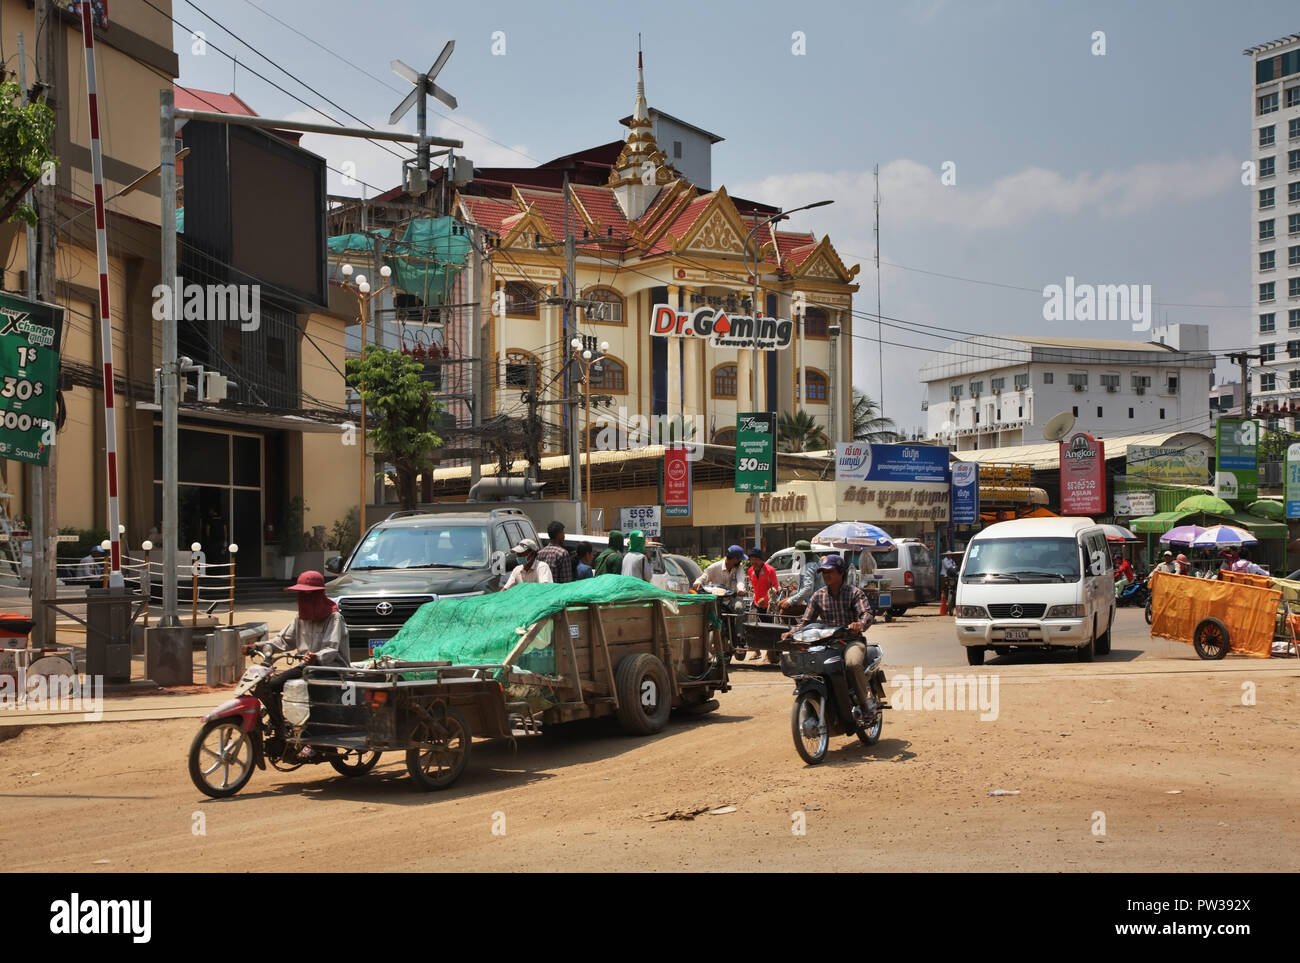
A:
<point x="1149" y="767"/>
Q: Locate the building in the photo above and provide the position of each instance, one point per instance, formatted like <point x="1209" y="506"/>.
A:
<point x="1226" y="400"/>
<point x="688" y="148"/>
<point x="998" y="392"/>
<point x="275" y="437"/>
<point x="1275" y="226"/>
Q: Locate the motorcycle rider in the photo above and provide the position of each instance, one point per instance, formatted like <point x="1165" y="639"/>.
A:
<point x="833" y="605"/>
<point x="319" y="634"/>
<point x="1168" y="565"/>
<point x="726" y="572"/>
<point x="810" y="580"/>
<point x="762" y="578"/>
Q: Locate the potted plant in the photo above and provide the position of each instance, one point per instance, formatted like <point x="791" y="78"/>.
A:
<point x="292" y="537"/>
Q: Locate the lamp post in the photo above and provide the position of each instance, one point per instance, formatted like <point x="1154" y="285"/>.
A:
<point x="753" y="373"/>
<point x="586" y="359"/>
<point x="364" y="294"/>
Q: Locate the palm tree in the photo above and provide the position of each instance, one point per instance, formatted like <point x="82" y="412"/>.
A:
<point x="800" y="432"/>
<point x="869" y="424"/>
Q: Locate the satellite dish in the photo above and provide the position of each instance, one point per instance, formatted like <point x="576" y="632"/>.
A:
<point x="1059" y="426"/>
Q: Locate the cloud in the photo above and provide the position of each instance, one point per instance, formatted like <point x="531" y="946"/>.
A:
<point x="913" y="193"/>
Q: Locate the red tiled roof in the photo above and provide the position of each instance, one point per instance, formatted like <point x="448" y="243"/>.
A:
<point x="682" y="223"/>
<point x="794" y="248"/>
<point x="190" y="98"/>
<point x="603" y="208"/>
<point x="489" y="212"/>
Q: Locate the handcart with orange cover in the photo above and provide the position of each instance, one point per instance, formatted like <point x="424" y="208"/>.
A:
<point x="1246" y="614"/>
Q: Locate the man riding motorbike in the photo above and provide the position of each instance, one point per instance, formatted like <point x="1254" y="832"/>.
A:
<point x="834" y="604"/>
<point x="319" y="634"/>
<point x="810" y="580"/>
<point x="726" y="572"/>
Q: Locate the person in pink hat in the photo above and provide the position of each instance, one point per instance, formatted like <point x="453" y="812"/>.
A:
<point x="318" y="634"/>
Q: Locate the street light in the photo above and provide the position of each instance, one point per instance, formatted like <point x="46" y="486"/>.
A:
<point x="364" y="294"/>
<point x="753" y="374"/>
<point x="587" y="359"/>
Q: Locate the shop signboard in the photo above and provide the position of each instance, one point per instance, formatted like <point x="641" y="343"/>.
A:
<point x="1083" y="475"/>
<point x="965" y="493"/>
<point x="29" y="366"/>
<point x="645" y="518"/>
<point x="1236" y="474"/>
<point x="677" y="483"/>
<point x="891" y="483"/>
<point x="755" y="452"/>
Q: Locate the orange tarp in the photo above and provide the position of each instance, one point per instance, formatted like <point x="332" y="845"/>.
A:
<point x="1249" y="611"/>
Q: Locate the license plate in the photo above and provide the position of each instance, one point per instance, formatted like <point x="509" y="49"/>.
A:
<point x="1017" y="635"/>
<point x="885" y="600"/>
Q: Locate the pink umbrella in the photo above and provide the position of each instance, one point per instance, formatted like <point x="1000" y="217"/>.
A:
<point x="1182" y="535"/>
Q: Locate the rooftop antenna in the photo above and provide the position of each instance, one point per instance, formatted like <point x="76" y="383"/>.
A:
<point x="1058" y="426"/>
<point x="424" y="86"/>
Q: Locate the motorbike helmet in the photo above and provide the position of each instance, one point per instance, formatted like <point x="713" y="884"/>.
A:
<point x="735" y="551"/>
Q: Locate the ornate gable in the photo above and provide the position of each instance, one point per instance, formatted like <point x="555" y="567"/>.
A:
<point x="518" y="229"/>
<point x="824" y="264"/>
<point x="717" y="230"/>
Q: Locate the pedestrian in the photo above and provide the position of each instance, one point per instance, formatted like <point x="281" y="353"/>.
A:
<point x="91" y="566"/>
<point x="948" y="570"/>
<point x="762" y="578"/>
<point x="529" y="567"/>
<point x="1167" y="564"/>
<point x="1184" y="567"/>
<point x="610" y="561"/>
<point x="584" y="568"/>
<point x="556" y="555"/>
<point x="635" y="562"/>
<point x="1244" y="564"/>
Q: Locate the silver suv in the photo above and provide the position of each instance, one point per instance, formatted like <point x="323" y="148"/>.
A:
<point x="910" y="570"/>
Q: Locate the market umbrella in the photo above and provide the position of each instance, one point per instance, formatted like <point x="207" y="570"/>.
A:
<point x="1224" y="536"/>
<point x="1267" y="508"/>
<point x="1118" y="533"/>
<point x="855" y="535"/>
<point x="1205" y="503"/>
<point x="1182" y="534"/>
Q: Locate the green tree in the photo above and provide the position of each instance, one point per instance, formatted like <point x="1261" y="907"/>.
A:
<point x="869" y="424"/>
<point x="26" y="134"/>
<point x="399" y="409"/>
<point x="800" y="432"/>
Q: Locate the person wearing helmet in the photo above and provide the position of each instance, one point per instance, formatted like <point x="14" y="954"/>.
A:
<point x="838" y="603"/>
<point x="610" y="561"/>
<point x="1184" y="566"/>
<point x="635" y="562"/>
<point x="727" y="572"/>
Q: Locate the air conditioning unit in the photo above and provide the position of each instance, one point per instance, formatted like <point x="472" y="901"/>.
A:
<point x="1111" y="389"/>
<point x="1080" y="387"/>
<point x="1140" y="390"/>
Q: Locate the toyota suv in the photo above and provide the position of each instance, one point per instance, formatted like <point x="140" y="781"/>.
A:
<point x="413" y="556"/>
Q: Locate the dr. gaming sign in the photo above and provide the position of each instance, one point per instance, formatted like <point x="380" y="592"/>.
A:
<point x="721" y="329"/>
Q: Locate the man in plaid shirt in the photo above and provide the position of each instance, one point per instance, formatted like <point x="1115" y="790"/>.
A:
<point x="834" y="604"/>
<point x="556" y="554"/>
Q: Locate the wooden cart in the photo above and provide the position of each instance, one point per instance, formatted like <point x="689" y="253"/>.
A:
<point x="1244" y="613"/>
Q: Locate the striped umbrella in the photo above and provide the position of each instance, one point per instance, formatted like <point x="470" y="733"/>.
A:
<point x="1224" y="536"/>
<point x="854" y="535"/>
<point x="1118" y="533"/>
<point x="1182" y="535"/>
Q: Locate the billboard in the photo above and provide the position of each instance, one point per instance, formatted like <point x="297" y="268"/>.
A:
<point x="884" y="483"/>
<point x="756" y="452"/>
<point x="1293" y="481"/>
<point x="965" y="493"/>
<point x="1168" y="466"/>
<point x="1083" y="475"/>
<point x="1135" y="503"/>
<point x="641" y="517"/>
<point x="677" y="483"/>
<point x="29" y="371"/>
<point x="1236" y="476"/>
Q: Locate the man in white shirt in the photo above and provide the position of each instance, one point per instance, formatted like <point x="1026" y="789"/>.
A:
<point x="1167" y="564"/>
<point x="727" y="572"/>
<point x="530" y="568"/>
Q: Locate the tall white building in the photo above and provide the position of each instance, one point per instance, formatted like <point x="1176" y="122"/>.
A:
<point x="1275" y="226"/>
<point x="996" y="392"/>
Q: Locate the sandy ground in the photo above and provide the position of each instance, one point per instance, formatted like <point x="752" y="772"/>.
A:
<point x="1151" y="766"/>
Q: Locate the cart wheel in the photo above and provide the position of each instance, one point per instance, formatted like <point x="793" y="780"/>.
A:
<point x="354" y="762"/>
<point x="441" y="752"/>
<point x="644" y="696"/>
<point x="1148" y="611"/>
<point x="221" y="758"/>
<point x="1211" y="640"/>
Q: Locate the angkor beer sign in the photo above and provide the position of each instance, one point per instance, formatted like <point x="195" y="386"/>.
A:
<point x="721" y="329"/>
<point x="1083" y="475"/>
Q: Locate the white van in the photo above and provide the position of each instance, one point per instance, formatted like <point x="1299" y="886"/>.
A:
<point x="1043" y="583"/>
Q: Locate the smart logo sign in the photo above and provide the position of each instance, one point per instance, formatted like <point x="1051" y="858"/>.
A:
<point x="1083" y="475"/>
<point x="29" y="366"/>
<point x="755" y="452"/>
<point x="721" y="329"/>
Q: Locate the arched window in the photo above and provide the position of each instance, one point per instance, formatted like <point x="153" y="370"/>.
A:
<point x="522" y="299"/>
<point x="724" y="381"/>
<point x="816" y="387"/>
<point x="607" y="307"/>
<point x="815" y="322"/>
<point x="725" y="436"/>
<point x="612" y="377"/>
<point x="518" y="366"/>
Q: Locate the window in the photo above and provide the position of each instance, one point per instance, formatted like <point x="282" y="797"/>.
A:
<point x="1173" y="384"/>
<point x="1266" y="136"/>
<point x="815" y="322"/>
<point x="1078" y="380"/>
<point x="1047" y="377"/>
<point x="816" y="386"/>
<point x="519" y="367"/>
<point x="1293" y="97"/>
<point x="1130" y="412"/>
<point x="955" y="391"/>
<point x="1293" y="287"/>
<point x="1268" y="382"/>
<point x="611" y="377"/>
<point x="725" y="436"/>
<point x="1293" y="255"/>
<point x="1266" y="104"/>
<point x="1099" y="411"/>
<point x="1022" y="381"/>
<point x="1293" y="318"/>
<point x="1265" y="198"/>
<point x="997" y="384"/>
<point x="1293" y="192"/>
<point x="232" y="345"/>
<point x="724" y="381"/>
<point x="1110" y="381"/>
<point x="1293" y="160"/>
<point x="1266" y="168"/>
<point x="977" y="416"/>
<point x="976" y="388"/>
<point x="1266" y="230"/>
<point x="677" y="150"/>
<point x="521" y="299"/>
<point x="275" y="354"/>
<point x="1075" y="409"/>
<point x="1266" y="291"/>
<point x="1162" y="414"/>
<point x="1266" y="323"/>
<point x="1142" y="381"/>
<point x="1293" y="129"/>
<point x="1020" y="412"/>
<point x="1293" y="223"/>
<point x="1293" y="349"/>
<point x="1266" y="353"/>
<point x="606" y="306"/>
<point x="1266" y="261"/>
<point x="1295" y="378"/>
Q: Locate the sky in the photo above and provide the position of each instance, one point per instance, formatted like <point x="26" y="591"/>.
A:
<point x="1019" y="143"/>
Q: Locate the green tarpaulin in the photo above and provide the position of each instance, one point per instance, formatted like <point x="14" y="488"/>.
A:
<point x="483" y="630"/>
<point x="341" y="243"/>
<point x="425" y="260"/>
<point x="1161" y="523"/>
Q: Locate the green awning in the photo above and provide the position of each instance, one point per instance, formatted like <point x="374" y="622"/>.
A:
<point x="1259" y="527"/>
<point x="1159" y="523"/>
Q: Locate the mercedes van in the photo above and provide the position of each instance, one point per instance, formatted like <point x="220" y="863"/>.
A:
<point x="1041" y="583"/>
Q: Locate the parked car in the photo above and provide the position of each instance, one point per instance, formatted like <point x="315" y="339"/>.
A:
<point x="1042" y="583"/>
<point x="411" y="556"/>
<point x="685" y="566"/>
<point x="910" y="570"/>
<point x="665" y="577"/>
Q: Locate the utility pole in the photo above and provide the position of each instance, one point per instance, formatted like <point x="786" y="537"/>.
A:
<point x="570" y="271"/>
<point x="478" y="382"/>
<point x="1242" y="359"/>
<point x="170" y="373"/>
